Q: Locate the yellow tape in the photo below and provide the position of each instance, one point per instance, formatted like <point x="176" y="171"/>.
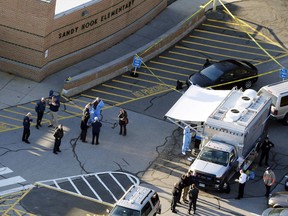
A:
<point x="239" y="21"/>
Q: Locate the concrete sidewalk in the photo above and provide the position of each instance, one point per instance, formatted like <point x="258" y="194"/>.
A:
<point x="15" y="90"/>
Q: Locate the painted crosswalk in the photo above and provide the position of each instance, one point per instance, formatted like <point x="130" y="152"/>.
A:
<point x="9" y="182"/>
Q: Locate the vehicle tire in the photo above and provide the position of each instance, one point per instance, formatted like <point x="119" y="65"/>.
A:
<point x="226" y="187"/>
<point x="247" y="84"/>
<point x="285" y="119"/>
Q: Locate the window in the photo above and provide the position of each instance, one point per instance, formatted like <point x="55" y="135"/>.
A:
<point x="146" y="209"/>
<point x="284" y="101"/>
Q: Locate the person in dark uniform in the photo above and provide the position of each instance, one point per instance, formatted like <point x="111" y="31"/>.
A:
<point x="265" y="149"/>
<point x="26" y="127"/>
<point x="58" y="134"/>
<point x="84" y="123"/>
<point x="175" y="196"/>
<point x="191" y="179"/>
<point x="40" y="109"/>
<point x="193" y="196"/>
<point x="123" y="121"/>
<point x="96" y="125"/>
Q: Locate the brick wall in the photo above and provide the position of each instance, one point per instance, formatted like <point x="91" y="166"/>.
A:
<point x="28" y="29"/>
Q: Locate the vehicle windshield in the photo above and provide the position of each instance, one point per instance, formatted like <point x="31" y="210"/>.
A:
<point x="212" y="72"/>
<point x="123" y="211"/>
<point x="214" y="156"/>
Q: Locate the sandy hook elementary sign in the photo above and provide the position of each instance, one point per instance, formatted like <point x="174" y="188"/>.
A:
<point x="104" y="17"/>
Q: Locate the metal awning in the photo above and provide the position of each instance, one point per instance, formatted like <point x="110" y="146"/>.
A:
<point x="195" y="106"/>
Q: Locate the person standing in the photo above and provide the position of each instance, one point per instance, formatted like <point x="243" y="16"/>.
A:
<point x="96" y="125"/>
<point x="54" y="105"/>
<point x="192" y="179"/>
<point x="40" y="109"/>
<point x="26" y="127"/>
<point x="123" y="121"/>
<point x="241" y="180"/>
<point x="84" y="123"/>
<point x="187" y="182"/>
<point x="58" y="134"/>
<point x="265" y="148"/>
<point x="269" y="180"/>
<point x="193" y="196"/>
<point x="175" y="196"/>
<point x="187" y="135"/>
<point x="96" y="108"/>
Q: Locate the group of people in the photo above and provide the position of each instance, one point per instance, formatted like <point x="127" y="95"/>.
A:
<point x="92" y="117"/>
<point x="186" y="186"/>
<point x="268" y="177"/>
<point x="54" y="105"/>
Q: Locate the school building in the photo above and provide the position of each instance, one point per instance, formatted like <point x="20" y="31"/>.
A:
<point x="41" y="37"/>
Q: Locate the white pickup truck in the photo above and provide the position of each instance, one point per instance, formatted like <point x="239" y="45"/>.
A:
<point x="232" y="136"/>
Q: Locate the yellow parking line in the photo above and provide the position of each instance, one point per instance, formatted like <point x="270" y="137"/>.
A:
<point x="8" y="117"/>
<point x="179" y="60"/>
<point x="130" y="84"/>
<point x="166" y="71"/>
<point x="160" y="77"/>
<point x="223" y="48"/>
<point x="239" y="45"/>
<point x="229" y="36"/>
<point x="224" y="28"/>
<point x="221" y="21"/>
<point x="212" y="53"/>
<point x="187" y="55"/>
<point x="114" y="87"/>
<point x="81" y="101"/>
<point x="109" y="93"/>
<point x="26" y="108"/>
<point x="174" y="66"/>
<point x="278" y="57"/>
<point x="93" y="97"/>
<point x="12" y="125"/>
<point x="143" y="80"/>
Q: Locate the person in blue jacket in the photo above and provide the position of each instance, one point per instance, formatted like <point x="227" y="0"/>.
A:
<point x="187" y="135"/>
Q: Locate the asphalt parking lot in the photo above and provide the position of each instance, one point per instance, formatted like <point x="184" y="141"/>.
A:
<point x="147" y="101"/>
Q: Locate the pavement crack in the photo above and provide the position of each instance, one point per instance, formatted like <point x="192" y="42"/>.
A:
<point x="73" y="143"/>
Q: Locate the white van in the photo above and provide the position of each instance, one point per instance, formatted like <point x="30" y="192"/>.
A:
<point x="279" y="94"/>
<point x="138" y="201"/>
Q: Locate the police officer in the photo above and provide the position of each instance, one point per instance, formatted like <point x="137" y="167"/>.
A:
<point x="266" y="146"/>
<point x="26" y="127"/>
<point x="175" y="197"/>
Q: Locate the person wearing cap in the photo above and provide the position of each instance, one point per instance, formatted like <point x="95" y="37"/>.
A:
<point x="96" y="125"/>
<point x="26" y="127"/>
<point x="58" y="134"/>
<point x="40" y="109"/>
<point x="265" y="148"/>
<point x="269" y="180"/>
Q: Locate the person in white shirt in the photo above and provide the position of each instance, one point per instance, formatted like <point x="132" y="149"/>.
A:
<point x="241" y="180"/>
